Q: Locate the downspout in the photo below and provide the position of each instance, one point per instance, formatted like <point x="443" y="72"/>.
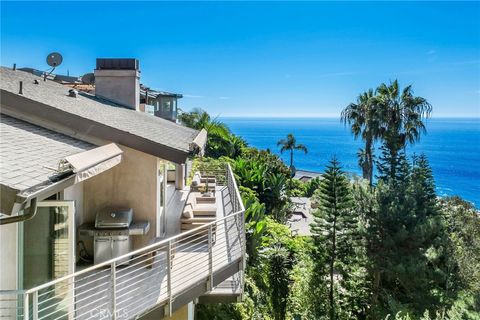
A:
<point x="29" y="213"/>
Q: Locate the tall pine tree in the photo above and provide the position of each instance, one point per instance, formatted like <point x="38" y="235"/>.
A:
<point x="404" y="240"/>
<point x="334" y="227"/>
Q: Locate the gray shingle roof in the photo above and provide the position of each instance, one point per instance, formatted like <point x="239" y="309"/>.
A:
<point x="101" y="111"/>
<point x="27" y="151"/>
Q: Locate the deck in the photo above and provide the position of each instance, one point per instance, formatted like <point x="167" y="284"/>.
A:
<point x="157" y="279"/>
<point x="143" y="282"/>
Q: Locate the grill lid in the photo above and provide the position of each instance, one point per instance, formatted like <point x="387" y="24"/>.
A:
<point x="114" y="218"/>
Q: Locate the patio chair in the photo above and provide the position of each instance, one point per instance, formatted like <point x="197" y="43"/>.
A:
<point x="195" y="215"/>
<point x="202" y="183"/>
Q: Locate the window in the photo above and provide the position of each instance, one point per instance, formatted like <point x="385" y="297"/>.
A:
<point x="166" y="106"/>
<point x="174" y="105"/>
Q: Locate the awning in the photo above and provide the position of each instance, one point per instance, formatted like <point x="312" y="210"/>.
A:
<point x="71" y="170"/>
<point x="92" y="162"/>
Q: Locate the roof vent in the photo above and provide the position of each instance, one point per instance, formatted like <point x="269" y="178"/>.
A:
<point x="72" y="93"/>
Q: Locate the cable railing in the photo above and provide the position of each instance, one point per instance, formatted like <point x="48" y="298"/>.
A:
<point x="161" y="274"/>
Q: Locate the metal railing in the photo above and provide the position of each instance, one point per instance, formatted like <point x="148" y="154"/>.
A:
<point x="131" y="285"/>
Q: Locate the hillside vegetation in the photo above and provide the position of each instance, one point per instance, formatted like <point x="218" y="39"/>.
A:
<point x="384" y="247"/>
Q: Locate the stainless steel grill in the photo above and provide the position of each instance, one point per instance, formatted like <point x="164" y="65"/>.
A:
<point x="111" y="237"/>
<point x="114" y="218"/>
<point x="112" y="231"/>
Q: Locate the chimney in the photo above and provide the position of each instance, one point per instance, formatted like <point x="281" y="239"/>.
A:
<point x="118" y="80"/>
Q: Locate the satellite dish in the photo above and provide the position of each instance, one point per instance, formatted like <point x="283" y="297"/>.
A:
<point x="88" y="78"/>
<point x="54" y="59"/>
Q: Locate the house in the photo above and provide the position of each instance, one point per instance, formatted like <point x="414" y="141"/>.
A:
<point x="159" y="103"/>
<point x="69" y="160"/>
<point x="155" y="102"/>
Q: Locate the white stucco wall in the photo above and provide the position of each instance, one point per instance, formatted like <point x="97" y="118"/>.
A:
<point x="75" y="193"/>
<point x="131" y="184"/>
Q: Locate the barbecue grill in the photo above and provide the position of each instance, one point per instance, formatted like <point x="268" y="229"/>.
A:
<point x="112" y="231"/>
<point x="112" y="218"/>
<point x="111" y="237"/>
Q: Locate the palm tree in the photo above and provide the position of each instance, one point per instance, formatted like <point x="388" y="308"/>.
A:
<point x="401" y="117"/>
<point x="290" y="144"/>
<point x="364" y="123"/>
<point x="220" y="141"/>
<point x="199" y="119"/>
<point x="235" y="146"/>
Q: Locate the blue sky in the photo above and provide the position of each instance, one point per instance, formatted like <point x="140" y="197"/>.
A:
<point x="263" y="59"/>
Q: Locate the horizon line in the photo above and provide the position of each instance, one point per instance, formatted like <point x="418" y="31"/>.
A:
<point x="334" y="117"/>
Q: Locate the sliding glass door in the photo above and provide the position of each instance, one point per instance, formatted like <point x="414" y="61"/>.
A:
<point x="49" y="253"/>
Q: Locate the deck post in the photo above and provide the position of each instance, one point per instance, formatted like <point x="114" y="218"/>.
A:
<point x="113" y="267"/>
<point x="26" y="307"/>
<point x="168" y="309"/>
<point x="35" y="305"/>
<point x="210" y="258"/>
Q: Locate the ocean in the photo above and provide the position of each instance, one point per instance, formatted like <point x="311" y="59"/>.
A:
<point x="451" y="145"/>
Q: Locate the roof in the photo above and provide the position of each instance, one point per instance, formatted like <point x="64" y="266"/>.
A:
<point x="306" y="175"/>
<point x="89" y="115"/>
<point x="301" y="218"/>
<point x="29" y="154"/>
<point x="300" y="200"/>
<point x="28" y="151"/>
<point x="51" y="76"/>
<point x="157" y="93"/>
<point x="89" y="88"/>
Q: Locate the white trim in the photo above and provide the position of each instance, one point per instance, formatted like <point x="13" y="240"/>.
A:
<point x="165" y="200"/>
<point x="161" y="218"/>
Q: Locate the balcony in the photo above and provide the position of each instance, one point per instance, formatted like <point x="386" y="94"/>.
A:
<point x="155" y="280"/>
<point x="147" y="108"/>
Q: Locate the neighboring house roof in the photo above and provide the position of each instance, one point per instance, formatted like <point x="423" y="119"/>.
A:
<point x="89" y="88"/>
<point x="29" y="155"/>
<point x="301" y="217"/>
<point x="305" y="175"/>
<point x="87" y="115"/>
<point x="157" y="93"/>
